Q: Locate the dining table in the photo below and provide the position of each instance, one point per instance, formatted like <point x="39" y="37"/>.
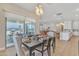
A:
<point x="34" y="44"/>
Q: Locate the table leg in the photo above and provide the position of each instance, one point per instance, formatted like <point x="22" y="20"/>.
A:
<point x="30" y="52"/>
<point x="53" y="45"/>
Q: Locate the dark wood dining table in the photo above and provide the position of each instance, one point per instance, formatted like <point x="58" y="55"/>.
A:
<point x="33" y="44"/>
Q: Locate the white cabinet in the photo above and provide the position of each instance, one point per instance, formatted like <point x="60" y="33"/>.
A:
<point x="76" y="25"/>
<point x="65" y="35"/>
<point x="67" y="25"/>
<point x="76" y="28"/>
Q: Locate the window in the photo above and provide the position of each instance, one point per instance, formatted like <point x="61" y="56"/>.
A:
<point x="16" y="23"/>
<point x="13" y="26"/>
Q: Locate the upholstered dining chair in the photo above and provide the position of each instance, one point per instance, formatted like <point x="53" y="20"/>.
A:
<point x="20" y="51"/>
<point x="52" y="36"/>
<point x="44" y="47"/>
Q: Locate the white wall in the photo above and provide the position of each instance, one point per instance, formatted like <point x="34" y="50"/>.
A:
<point x="50" y="24"/>
<point x="2" y="30"/>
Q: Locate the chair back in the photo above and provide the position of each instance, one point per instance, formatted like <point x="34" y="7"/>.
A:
<point x="51" y="34"/>
<point x="18" y="44"/>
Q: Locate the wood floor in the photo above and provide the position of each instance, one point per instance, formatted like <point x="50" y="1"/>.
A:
<point x="63" y="48"/>
<point x="67" y="48"/>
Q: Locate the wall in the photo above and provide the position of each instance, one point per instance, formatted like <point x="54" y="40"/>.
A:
<point x="2" y="30"/>
<point x="51" y="24"/>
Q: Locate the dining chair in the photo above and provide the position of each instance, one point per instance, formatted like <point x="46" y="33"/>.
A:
<point x="52" y="36"/>
<point x="44" y="47"/>
<point x="20" y="51"/>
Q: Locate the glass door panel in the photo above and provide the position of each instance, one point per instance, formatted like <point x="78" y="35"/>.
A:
<point x="30" y="28"/>
<point x="13" y="26"/>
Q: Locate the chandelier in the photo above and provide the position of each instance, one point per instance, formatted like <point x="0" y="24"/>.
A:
<point x="39" y="10"/>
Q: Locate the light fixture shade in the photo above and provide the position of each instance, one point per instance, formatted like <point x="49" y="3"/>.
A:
<point x="61" y="23"/>
<point x="39" y="10"/>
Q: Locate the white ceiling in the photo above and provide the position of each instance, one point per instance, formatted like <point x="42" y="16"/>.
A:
<point x="68" y="11"/>
<point x="15" y="17"/>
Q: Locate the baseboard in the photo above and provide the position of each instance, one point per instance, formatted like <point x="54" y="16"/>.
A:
<point x="1" y="49"/>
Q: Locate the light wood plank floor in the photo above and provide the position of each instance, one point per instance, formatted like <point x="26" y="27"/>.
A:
<point x="67" y="48"/>
<point x="63" y="48"/>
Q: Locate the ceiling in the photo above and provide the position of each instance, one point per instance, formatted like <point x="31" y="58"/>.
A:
<point x="18" y="18"/>
<point x="68" y="11"/>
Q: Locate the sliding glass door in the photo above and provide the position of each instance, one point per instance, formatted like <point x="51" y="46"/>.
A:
<point x="17" y="23"/>
<point x="11" y="27"/>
